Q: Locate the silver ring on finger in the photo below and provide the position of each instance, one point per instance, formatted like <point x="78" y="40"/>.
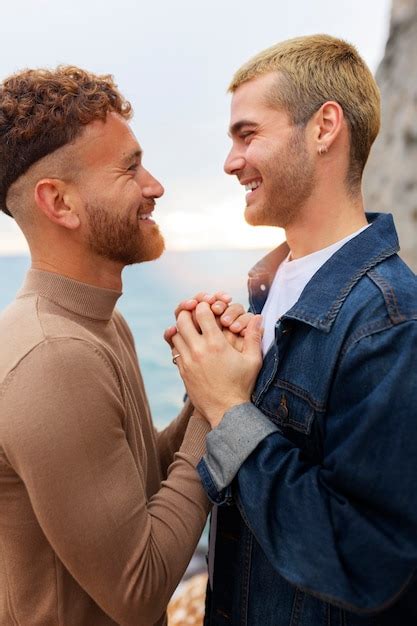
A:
<point x="174" y="358"/>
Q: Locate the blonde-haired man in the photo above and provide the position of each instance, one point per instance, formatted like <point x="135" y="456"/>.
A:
<point x="315" y="471"/>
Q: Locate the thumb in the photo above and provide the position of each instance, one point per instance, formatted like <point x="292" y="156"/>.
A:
<point x="168" y="335"/>
<point x="253" y="336"/>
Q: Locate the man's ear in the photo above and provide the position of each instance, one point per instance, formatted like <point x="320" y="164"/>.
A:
<point x="52" y="198"/>
<point x="327" y="123"/>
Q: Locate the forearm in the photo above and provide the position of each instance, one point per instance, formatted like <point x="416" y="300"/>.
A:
<point x="169" y="439"/>
<point x="157" y="544"/>
<point x="242" y="428"/>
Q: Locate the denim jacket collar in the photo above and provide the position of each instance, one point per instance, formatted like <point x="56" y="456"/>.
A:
<point x="317" y="306"/>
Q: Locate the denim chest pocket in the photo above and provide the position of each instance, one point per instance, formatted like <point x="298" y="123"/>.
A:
<point x="289" y="407"/>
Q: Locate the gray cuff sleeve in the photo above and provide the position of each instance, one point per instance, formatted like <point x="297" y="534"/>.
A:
<point x="242" y="428"/>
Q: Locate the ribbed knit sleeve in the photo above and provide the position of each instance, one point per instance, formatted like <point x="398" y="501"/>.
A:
<point x="170" y="438"/>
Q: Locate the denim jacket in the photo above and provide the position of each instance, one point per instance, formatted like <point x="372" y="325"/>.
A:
<point x="316" y="478"/>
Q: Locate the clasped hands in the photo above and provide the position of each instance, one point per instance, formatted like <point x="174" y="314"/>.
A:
<point x="219" y="348"/>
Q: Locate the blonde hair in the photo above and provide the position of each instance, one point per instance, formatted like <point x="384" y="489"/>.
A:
<point x="312" y="70"/>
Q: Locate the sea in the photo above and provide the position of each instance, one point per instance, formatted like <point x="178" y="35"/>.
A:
<point x="151" y="291"/>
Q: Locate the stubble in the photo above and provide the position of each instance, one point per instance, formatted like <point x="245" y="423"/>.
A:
<point x="289" y="179"/>
<point x="119" y="239"/>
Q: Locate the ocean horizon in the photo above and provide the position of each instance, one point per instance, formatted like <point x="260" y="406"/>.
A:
<point x="151" y="291"/>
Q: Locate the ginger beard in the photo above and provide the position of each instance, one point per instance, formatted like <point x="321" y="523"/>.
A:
<point x="120" y="239"/>
<point x="288" y="179"/>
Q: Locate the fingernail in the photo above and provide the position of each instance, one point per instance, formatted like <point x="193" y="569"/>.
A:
<point x="226" y="318"/>
<point x="226" y="296"/>
<point x="192" y="301"/>
<point x="259" y="322"/>
<point x="235" y="326"/>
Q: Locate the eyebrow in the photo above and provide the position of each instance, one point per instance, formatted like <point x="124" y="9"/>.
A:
<point x="128" y="158"/>
<point x="237" y="126"/>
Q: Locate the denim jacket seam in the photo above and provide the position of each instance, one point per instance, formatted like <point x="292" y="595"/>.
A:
<point x="245" y="519"/>
<point x="266" y="384"/>
<point x="371" y="329"/>
<point x="351" y="607"/>
<point x="297" y="607"/>
<point x="302" y="427"/>
<point x="301" y="393"/>
<point x="325" y="322"/>
<point x="332" y="314"/>
<point x="303" y="316"/>
<point x="389" y="296"/>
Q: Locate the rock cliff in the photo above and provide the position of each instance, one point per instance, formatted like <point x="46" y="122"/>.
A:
<point x="390" y="182"/>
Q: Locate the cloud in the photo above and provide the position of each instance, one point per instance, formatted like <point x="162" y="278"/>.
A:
<point x="173" y="60"/>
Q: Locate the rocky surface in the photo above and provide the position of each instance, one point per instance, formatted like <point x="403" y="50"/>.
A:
<point x="390" y="182"/>
<point x="187" y="606"/>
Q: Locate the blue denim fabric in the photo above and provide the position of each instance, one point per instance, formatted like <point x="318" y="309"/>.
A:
<point x="320" y="523"/>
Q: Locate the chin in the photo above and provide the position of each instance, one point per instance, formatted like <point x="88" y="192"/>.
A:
<point x="153" y="250"/>
<point x="255" y="217"/>
<point x="261" y="216"/>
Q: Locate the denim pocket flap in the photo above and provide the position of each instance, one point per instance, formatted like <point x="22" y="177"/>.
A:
<point x="289" y="407"/>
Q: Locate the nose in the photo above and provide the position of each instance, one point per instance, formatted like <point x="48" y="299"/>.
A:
<point x="152" y="188"/>
<point x="234" y="162"/>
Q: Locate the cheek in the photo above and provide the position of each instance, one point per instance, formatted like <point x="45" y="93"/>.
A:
<point x="254" y="156"/>
<point x="135" y="186"/>
<point x="132" y="191"/>
<point x="261" y="156"/>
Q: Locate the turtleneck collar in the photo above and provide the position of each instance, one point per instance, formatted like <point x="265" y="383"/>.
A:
<point x="86" y="300"/>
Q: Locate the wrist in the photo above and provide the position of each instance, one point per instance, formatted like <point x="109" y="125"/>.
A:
<point x="215" y="414"/>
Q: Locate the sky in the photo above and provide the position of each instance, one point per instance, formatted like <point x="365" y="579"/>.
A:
<point x="173" y="61"/>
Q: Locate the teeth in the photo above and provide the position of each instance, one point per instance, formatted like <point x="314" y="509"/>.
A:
<point x="145" y="216"/>
<point x="253" y="185"/>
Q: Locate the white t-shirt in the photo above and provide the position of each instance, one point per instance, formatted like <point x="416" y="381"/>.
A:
<point x="289" y="281"/>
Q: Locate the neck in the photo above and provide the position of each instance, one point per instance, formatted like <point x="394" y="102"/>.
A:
<point x="93" y="271"/>
<point x="322" y="222"/>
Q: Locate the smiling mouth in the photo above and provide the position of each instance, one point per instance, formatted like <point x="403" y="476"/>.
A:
<point x="146" y="210"/>
<point x="146" y="218"/>
<point x="254" y="184"/>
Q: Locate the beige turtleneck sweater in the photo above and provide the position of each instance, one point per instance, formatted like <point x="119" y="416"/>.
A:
<point x="99" y="513"/>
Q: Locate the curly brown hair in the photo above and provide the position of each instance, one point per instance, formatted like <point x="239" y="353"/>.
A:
<point x="42" y="110"/>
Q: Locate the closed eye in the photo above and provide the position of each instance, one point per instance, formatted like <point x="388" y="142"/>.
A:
<point x="247" y="135"/>
<point x="131" y="161"/>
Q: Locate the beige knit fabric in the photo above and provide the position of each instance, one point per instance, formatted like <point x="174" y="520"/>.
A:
<point x="95" y="530"/>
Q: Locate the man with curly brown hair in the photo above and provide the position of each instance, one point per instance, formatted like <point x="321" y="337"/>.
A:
<point x="99" y="512"/>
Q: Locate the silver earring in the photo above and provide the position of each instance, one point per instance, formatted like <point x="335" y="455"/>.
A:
<point x="322" y="149"/>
